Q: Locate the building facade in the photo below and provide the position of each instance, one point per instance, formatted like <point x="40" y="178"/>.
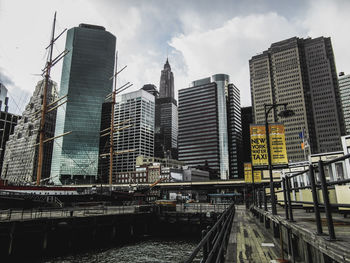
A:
<point x="208" y="113"/>
<point x="234" y="131"/>
<point x="21" y="153"/>
<point x="166" y="117"/>
<point x="247" y="119"/>
<point x="85" y="80"/>
<point x="344" y="88"/>
<point x="3" y="98"/>
<point x="300" y="72"/>
<point x="8" y="122"/>
<point x="136" y="109"/>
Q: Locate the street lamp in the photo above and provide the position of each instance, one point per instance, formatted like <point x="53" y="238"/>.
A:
<point x="285" y="113"/>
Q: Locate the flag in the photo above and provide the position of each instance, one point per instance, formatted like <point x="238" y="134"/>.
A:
<point x="302" y="145"/>
<point x="301" y="135"/>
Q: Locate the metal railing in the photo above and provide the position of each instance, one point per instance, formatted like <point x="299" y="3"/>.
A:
<point x="214" y="240"/>
<point x="42" y="213"/>
<point x="202" y="207"/>
<point x="315" y="186"/>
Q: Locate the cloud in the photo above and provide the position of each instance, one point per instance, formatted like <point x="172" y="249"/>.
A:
<point x="4" y="79"/>
<point x="228" y="48"/>
<point x="331" y="18"/>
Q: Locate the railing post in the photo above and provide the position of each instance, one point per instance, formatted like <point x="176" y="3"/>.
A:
<point x="285" y="197"/>
<point x="205" y="248"/>
<point x="327" y="206"/>
<point x="265" y="199"/>
<point x="289" y="199"/>
<point x="260" y="198"/>
<point x="315" y="200"/>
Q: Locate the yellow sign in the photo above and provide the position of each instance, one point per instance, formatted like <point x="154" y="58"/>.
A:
<point x="248" y="174"/>
<point x="258" y="145"/>
<point x="278" y="145"/>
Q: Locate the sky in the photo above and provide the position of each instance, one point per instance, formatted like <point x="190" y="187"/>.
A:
<point x="201" y="38"/>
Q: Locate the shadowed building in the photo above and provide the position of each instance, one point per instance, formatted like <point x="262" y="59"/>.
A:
<point x="344" y="88"/>
<point x="166" y="126"/>
<point x="86" y="73"/>
<point x="210" y="125"/>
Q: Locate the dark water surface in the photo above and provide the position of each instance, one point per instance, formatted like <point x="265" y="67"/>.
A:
<point x="151" y="250"/>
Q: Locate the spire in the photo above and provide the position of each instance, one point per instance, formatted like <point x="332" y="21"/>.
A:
<point x="167" y="65"/>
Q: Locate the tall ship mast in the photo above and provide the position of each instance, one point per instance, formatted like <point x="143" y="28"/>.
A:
<point x="44" y="108"/>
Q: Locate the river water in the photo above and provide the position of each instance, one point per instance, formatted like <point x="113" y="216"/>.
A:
<point x="152" y="250"/>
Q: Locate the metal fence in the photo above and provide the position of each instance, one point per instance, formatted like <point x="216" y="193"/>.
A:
<point x="214" y="240"/>
<point x="202" y="207"/>
<point x="317" y="181"/>
<point x="28" y="214"/>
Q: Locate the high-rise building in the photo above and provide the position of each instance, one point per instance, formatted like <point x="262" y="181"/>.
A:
<point x="86" y="81"/>
<point x="300" y="72"/>
<point x="8" y="122"/>
<point x="209" y="125"/>
<point x="135" y="109"/>
<point x="344" y="88"/>
<point x="234" y="131"/>
<point x="166" y="86"/>
<point x="166" y="122"/>
<point x="104" y="145"/>
<point x="150" y="88"/>
<point x="3" y="98"/>
<point x="21" y="153"/>
<point x="247" y="119"/>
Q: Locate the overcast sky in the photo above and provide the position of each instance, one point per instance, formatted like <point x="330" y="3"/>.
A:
<point x="202" y="37"/>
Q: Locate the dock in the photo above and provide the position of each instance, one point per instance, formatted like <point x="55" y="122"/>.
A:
<point x="248" y="241"/>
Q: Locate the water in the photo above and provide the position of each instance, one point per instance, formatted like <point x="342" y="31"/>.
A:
<point x="151" y="250"/>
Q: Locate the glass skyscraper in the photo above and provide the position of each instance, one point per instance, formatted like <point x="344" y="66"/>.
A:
<point x="86" y="81"/>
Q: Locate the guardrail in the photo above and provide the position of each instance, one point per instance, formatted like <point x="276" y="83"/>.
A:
<point x="214" y="240"/>
<point x="320" y="191"/>
<point x="202" y="207"/>
<point x="27" y="214"/>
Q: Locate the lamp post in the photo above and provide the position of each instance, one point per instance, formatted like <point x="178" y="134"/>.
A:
<point x="285" y="113"/>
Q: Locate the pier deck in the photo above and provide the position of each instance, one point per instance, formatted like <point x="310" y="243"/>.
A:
<point x="303" y="229"/>
<point x="248" y="241"/>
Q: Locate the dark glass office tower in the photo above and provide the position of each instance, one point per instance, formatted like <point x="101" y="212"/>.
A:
<point x="85" y="80"/>
<point x="234" y="131"/>
<point x="210" y="125"/>
<point x="166" y="126"/>
<point x="198" y="126"/>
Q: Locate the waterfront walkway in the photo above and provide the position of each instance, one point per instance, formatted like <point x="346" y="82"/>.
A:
<point x="249" y="242"/>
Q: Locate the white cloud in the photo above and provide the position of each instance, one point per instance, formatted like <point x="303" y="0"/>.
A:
<point x="228" y="48"/>
<point x="331" y="18"/>
<point x="204" y="39"/>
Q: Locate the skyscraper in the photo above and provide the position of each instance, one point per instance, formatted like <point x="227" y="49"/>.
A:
<point x="234" y="131"/>
<point x="300" y="72"/>
<point x="166" y="86"/>
<point x="85" y="80"/>
<point x="209" y="125"/>
<point x="21" y="153"/>
<point x="3" y="98"/>
<point x="166" y="122"/>
<point x="344" y="87"/>
<point x="137" y="109"/>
